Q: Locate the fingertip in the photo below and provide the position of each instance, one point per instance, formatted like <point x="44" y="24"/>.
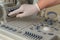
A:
<point x="10" y="14"/>
<point x="13" y="13"/>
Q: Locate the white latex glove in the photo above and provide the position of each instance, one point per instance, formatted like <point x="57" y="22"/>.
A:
<point x="26" y="10"/>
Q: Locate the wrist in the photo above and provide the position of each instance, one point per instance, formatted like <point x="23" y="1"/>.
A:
<point x="37" y="7"/>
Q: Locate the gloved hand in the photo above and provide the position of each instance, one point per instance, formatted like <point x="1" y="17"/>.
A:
<point x="25" y="10"/>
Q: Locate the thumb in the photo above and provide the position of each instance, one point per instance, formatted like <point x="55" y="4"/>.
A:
<point x="15" y="12"/>
<point x="22" y="15"/>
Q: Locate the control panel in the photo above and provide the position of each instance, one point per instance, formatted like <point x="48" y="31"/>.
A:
<point x="32" y="29"/>
<point x="46" y="27"/>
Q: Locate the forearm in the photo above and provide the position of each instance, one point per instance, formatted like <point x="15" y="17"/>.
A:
<point x="47" y="3"/>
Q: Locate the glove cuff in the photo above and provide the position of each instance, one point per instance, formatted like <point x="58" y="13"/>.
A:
<point x="37" y="7"/>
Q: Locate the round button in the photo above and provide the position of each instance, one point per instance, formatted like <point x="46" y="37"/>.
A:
<point x="50" y="22"/>
<point x="46" y="29"/>
<point x="52" y="15"/>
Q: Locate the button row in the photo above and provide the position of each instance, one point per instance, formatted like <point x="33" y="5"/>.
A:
<point x="33" y="35"/>
<point x="7" y="27"/>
